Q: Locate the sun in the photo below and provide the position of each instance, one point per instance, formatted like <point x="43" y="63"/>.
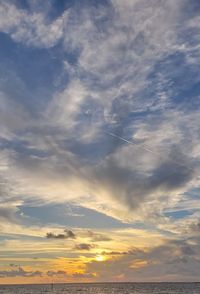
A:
<point x="99" y="258"/>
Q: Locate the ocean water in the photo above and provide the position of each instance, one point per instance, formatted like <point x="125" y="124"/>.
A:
<point x="105" y="288"/>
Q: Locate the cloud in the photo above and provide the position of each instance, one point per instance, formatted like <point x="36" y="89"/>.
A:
<point x="132" y="251"/>
<point x="122" y="78"/>
<point x="20" y="272"/>
<point x="130" y="68"/>
<point x="168" y="262"/>
<point x="53" y="236"/>
<point x="67" y="235"/>
<point x="84" y="275"/>
<point x="97" y="237"/>
<point x="7" y="213"/>
<point x="9" y="210"/>
<point x="84" y="246"/>
<point x="33" y="29"/>
<point x="56" y="273"/>
<point x="13" y="265"/>
<point x="194" y="227"/>
<point x="70" y="234"/>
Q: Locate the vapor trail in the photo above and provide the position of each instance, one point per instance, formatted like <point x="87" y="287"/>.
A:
<point x="146" y="148"/>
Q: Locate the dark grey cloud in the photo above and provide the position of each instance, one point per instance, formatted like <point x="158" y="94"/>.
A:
<point x="132" y="186"/>
<point x="9" y="210"/>
<point x="83" y="275"/>
<point x="98" y="237"/>
<point x="54" y="236"/>
<point x="20" y="272"/>
<point x="173" y="173"/>
<point x="194" y="228"/>
<point x="174" y="251"/>
<point x="56" y="273"/>
<point x="187" y="250"/>
<point x="7" y="213"/>
<point x="84" y="246"/>
<point x="68" y="234"/>
<point x="174" y="259"/>
<point x="133" y="251"/>
<point x="13" y="265"/>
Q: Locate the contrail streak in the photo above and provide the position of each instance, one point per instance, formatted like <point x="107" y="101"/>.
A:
<point x="146" y="148"/>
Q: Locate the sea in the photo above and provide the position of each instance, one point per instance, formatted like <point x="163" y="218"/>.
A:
<point x="105" y="288"/>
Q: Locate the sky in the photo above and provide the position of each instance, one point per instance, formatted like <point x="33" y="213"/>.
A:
<point x="99" y="140"/>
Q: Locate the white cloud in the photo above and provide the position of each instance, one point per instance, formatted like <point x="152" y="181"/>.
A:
<point x="32" y="29"/>
<point x="112" y="76"/>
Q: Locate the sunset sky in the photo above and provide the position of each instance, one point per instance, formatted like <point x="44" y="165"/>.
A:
<point x="99" y="140"/>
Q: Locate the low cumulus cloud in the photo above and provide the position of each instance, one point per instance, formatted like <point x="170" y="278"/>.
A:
<point x="56" y="273"/>
<point x="174" y="259"/>
<point x="20" y="272"/>
<point x="132" y="251"/>
<point x="84" y="246"/>
<point x="68" y="234"/>
<point x="84" y="275"/>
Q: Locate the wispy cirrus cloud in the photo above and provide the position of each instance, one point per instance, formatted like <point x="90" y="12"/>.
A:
<point x="93" y="102"/>
<point x="34" y="28"/>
